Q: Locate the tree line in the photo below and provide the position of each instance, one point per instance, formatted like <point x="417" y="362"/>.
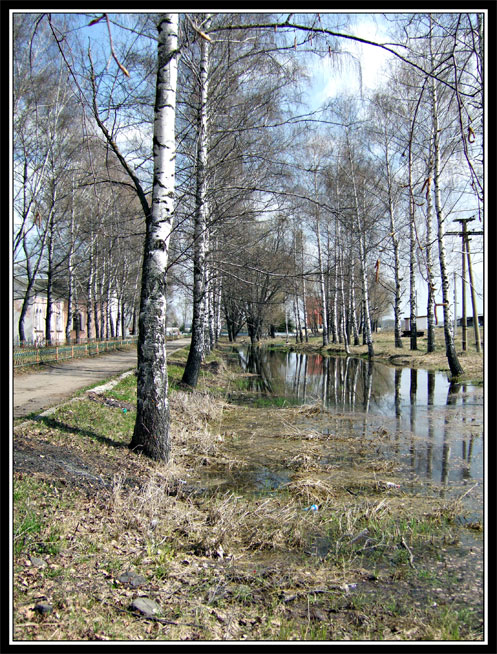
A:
<point x="156" y="155"/>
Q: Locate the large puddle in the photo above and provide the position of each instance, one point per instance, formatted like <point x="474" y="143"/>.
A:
<point x="428" y="430"/>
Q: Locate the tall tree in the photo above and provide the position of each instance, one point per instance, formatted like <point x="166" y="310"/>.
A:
<point x="197" y="345"/>
<point x="151" y="432"/>
<point x="452" y="358"/>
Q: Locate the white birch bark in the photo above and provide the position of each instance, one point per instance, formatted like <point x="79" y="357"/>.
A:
<point x="395" y="245"/>
<point x="453" y="361"/>
<point x="151" y="433"/>
<point x="324" y="304"/>
<point x="429" y="258"/>
<point x="363" y="264"/>
<point x="412" y="259"/>
<point x="353" y="316"/>
<point x="70" y="272"/>
<point x="198" y="341"/>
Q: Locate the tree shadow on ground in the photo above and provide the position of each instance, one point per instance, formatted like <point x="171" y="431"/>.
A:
<point x="93" y="435"/>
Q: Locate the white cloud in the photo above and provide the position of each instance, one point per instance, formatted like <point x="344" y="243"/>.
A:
<point x="331" y="78"/>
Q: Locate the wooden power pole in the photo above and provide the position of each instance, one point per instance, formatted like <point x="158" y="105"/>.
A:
<point x="464" y="234"/>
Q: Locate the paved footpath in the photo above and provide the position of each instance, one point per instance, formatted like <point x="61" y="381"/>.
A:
<point x="35" y="392"/>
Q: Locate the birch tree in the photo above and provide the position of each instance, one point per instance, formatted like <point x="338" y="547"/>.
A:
<point x="151" y="432"/>
<point x="197" y="346"/>
<point x="453" y="361"/>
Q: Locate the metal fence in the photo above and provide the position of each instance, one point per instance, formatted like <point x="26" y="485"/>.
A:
<point x="30" y="356"/>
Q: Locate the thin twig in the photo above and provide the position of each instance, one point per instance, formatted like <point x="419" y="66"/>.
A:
<point x="114" y="56"/>
<point x="468" y="491"/>
<point x="411" y="556"/>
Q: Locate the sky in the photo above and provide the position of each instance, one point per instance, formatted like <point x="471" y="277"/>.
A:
<point x="365" y="72"/>
<point x="328" y="80"/>
<point x="366" y="62"/>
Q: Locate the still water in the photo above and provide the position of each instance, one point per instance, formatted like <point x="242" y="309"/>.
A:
<point x="432" y="427"/>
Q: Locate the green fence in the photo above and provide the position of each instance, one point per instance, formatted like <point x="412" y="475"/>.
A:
<point x="30" y="356"/>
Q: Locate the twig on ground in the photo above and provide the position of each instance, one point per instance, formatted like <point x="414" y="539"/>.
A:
<point x="411" y="556"/>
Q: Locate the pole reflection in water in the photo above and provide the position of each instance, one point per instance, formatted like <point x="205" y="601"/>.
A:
<point x="368" y="381"/>
<point x="452" y="392"/>
<point x="398" y="409"/>
<point x="467" y="449"/>
<point x="325" y="363"/>
<point x="412" y="395"/>
<point x="398" y="395"/>
<point x="429" y="444"/>
<point x="430" y="418"/>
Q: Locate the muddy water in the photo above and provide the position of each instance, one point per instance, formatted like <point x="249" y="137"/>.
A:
<point x="429" y="430"/>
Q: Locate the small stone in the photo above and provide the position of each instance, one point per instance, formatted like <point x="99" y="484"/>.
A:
<point x="37" y="562"/>
<point x="43" y="608"/>
<point x="132" y="578"/>
<point x="145" y="606"/>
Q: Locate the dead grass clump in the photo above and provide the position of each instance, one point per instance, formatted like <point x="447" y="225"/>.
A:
<point x="236" y="524"/>
<point x="195" y="441"/>
<point x="191" y="414"/>
<point x="275" y="525"/>
<point x="157" y="512"/>
<point x="309" y="409"/>
<point x="194" y="407"/>
<point x="303" y="432"/>
<point x="304" y="462"/>
<point x="312" y="491"/>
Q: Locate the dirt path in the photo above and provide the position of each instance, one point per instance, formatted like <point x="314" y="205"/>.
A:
<point x="59" y="381"/>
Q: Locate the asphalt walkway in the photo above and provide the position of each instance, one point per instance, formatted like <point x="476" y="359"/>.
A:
<point x="43" y="389"/>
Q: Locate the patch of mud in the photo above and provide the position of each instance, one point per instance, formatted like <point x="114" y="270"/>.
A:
<point x="57" y="463"/>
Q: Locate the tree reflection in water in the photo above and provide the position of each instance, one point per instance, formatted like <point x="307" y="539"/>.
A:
<point x="426" y="414"/>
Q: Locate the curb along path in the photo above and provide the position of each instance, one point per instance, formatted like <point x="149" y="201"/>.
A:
<point x="46" y="388"/>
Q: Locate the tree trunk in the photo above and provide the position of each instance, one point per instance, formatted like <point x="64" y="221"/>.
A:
<point x="324" y="304"/>
<point x="412" y="259"/>
<point x="70" y="273"/>
<point x="151" y="432"/>
<point x="50" y="249"/>
<point x="430" y="310"/>
<point x="353" y="314"/>
<point x="197" y="344"/>
<point x="454" y="365"/>
<point x="343" y="320"/>
<point x="32" y="272"/>
<point x="396" y="257"/>
<point x="333" y="293"/>
<point x="363" y="266"/>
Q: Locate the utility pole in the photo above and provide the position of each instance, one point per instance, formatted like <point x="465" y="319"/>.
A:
<point x="476" y="325"/>
<point x="455" y="305"/>
<point x="463" y="299"/>
<point x="464" y="234"/>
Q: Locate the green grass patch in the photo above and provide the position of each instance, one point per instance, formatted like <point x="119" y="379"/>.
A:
<point x="267" y="401"/>
<point x="125" y="390"/>
<point x="35" y="502"/>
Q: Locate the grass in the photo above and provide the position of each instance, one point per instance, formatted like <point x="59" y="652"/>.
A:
<point x="225" y="563"/>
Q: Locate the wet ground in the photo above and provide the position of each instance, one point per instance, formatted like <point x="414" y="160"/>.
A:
<point x="357" y="451"/>
<point x="414" y="422"/>
<point x="367" y="431"/>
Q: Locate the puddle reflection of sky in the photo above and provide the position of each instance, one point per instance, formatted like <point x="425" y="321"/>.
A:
<point x="435" y="429"/>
